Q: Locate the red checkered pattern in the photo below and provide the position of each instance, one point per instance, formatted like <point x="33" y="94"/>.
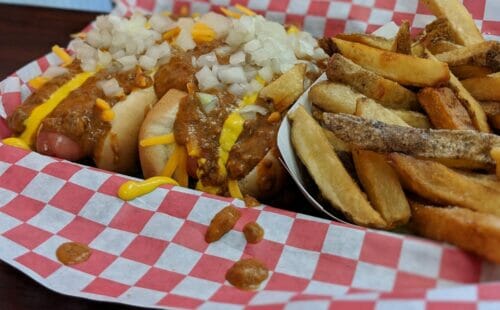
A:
<point x="151" y="251"/>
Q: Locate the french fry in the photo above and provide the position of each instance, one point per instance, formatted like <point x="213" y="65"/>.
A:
<point x="442" y="185"/>
<point x="495" y="153"/>
<point x="286" y="89"/>
<point x="466" y="148"/>
<point x="464" y="29"/>
<point x="382" y="187"/>
<point x="334" y="97"/>
<point x="414" y="119"/>
<point x="326" y="169"/>
<point x="472" y="231"/>
<point x="438" y="47"/>
<point x="369" y="109"/>
<point x="384" y="91"/>
<point x="483" y="54"/>
<point x="402" y="42"/>
<point x="337" y="144"/>
<point x="492" y="110"/>
<point x="473" y="107"/>
<point x="483" y="88"/>
<point x="489" y="180"/>
<point x="437" y="30"/>
<point x="367" y="39"/>
<point x="444" y="109"/>
<point x="470" y="71"/>
<point x="404" y="69"/>
<point x="437" y="37"/>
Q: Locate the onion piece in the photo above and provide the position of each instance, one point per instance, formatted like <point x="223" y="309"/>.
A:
<point x="206" y="79"/>
<point x="54" y="71"/>
<point x="110" y="87"/>
<point x="230" y="75"/>
<point x="128" y="62"/>
<point x="237" y="58"/>
<point x="208" y="102"/>
<point x="250" y="111"/>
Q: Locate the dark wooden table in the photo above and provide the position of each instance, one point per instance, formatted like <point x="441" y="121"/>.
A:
<point x="26" y="34"/>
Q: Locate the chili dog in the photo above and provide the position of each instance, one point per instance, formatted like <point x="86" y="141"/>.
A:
<point x="222" y="100"/>
<point x="93" y="104"/>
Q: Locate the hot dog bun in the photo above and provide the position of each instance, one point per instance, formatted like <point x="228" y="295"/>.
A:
<point x="159" y="121"/>
<point x="117" y="151"/>
<point x="263" y="181"/>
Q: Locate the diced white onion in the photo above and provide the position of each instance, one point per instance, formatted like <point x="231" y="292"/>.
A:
<point x="110" y="87"/>
<point x="208" y="102"/>
<point x="254" y="108"/>
<point x="208" y="60"/>
<point x="128" y="62"/>
<point x="54" y="71"/>
<point x="206" y="79"/>
<point x="255" y="86"/>
<point x="219" y="23"/>
<point x="237" y="58"/>
<point x="147" y="62"/>
<point x="266" y="73"/>
<point x="237" y="90"/>
<point x="184" y="39"/>
<point x="104" y="58"/>
<point x="160" y="23"/>
<point x="232" y="75"/>
<point x="252" y="46"/>
<point x="250" y="111"/>
<point x="223" y="50"/>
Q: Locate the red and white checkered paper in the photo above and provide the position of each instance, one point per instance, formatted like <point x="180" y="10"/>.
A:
<point x="151" y="251"/>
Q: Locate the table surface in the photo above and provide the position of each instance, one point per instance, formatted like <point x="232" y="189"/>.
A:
<point x="27" y="34"/>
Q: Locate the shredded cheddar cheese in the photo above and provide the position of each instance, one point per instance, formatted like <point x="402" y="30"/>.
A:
<point x="207" y="189"/>
<point x="61" y="53"/>
<point x="41" y="111"/>
<point x="230" y="13"/>
<point x="293" y="29"/>
<point x="193" y="149"/>
<point x="172" y="163"/>
<point x="158" y="140"/>
<point x="261" y="81"/>
<point x="234" y="189"/>
<point x="274" y="117"/>
<point x="171" y="34"/>
<point x="38" y="82"/>
<point x="202" y="33"/>
<point x="180" y="174"/>
<point x="245" y="10"/>
<point x="231" y="130"/>
<point x="108" y="115"/>
<point x="102" y="104"/>
<point x="249" y="99"/>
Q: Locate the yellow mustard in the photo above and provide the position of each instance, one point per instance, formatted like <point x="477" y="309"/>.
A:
<point x="40" y="112"/>
<point x="133" y="189"/>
